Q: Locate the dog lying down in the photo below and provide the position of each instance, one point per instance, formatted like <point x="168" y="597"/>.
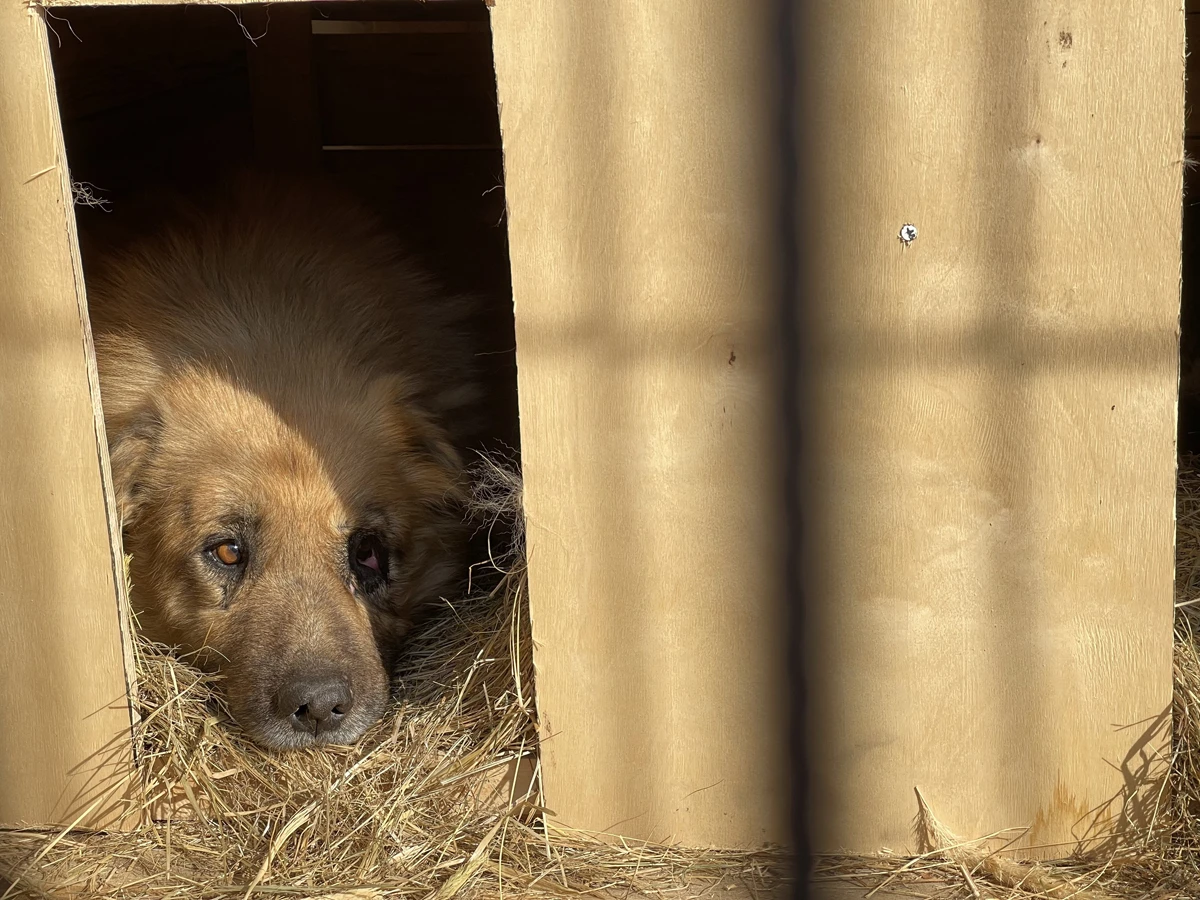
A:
<point x="285" y="399"/>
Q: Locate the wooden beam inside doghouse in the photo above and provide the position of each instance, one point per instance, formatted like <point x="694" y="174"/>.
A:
<point x="65" y="719"/>
<point x="994" y="414"/>
<point x="641" y="229"/>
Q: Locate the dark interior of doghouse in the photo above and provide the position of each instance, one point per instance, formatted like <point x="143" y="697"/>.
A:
<point x="395" y="101"/>
<point x="1189" y="383"/>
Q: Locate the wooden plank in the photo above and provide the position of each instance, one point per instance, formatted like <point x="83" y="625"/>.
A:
<point x="1193" y="72"/>
<point x="353" y="26"/>
<point x="65" y="746"/>
<point x="993" y="416"/>
<point x="403" y="10"/>
<point x="640" y="225"/>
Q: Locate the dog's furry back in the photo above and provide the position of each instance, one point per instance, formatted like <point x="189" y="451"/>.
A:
<point x="294" y="275"/>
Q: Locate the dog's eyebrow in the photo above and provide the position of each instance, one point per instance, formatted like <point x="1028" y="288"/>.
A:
<point x="373" y="517"/>
<point x="240" y="522"/>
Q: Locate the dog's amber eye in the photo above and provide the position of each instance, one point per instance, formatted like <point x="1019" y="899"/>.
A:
<point x="228" y="553"/>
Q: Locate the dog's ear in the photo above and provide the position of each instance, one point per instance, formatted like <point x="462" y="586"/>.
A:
<point x="132" y="439"/>
<point x="432" y="460"/>
<point x="437" y="465"/>
<point x="133" y="420"/>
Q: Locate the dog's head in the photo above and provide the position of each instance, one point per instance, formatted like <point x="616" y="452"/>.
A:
<point x="276" y="380"/>
<point x="285" y="544"/>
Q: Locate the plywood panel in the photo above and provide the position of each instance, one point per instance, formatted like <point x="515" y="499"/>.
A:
<point x="416" y="11"/>
<point x="994" y="430"/>
<point x="640" y="222"/>
<point x="1193" y="73"/>
<point x="64" y="716"/>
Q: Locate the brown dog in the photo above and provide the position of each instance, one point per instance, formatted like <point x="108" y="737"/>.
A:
<point x="278" y="388"/>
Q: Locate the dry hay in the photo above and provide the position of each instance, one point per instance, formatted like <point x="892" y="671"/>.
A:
<point x="425" y="805"/>
<point x="1161" y="861"/>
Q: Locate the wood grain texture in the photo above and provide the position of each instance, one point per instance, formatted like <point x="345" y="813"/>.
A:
<point x="1193" y="73"/>
<point x="994" y="416"/>
<point x="65" y="745"/>
<point x="640" y="230"/>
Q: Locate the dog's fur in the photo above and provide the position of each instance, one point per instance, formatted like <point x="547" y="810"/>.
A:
<point x="274" y="372"/>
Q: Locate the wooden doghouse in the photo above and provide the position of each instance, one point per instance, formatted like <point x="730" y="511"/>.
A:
<point x="993" y="247"/>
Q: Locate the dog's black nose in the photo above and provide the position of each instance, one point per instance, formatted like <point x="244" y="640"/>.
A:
<point x="315" y="704"/>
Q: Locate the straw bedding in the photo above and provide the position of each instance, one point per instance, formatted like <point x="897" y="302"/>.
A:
<point x="425" y="805"/>
<point x="1162" y="862"/>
